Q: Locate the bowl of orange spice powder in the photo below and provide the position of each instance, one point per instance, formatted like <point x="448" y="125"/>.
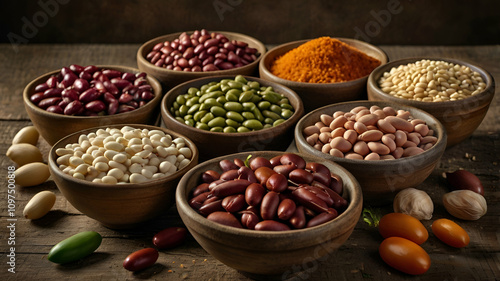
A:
<point x="324" y="70"/>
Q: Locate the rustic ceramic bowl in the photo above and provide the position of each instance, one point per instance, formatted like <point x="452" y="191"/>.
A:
<point x="460" y="118"/>
<point x="380" y="180"/>
<point x="119" y="206"/>
<point x="269" y="254"/>
<point x="53" y="126"/>
<point x="213" y="144"/>
<point x="315" y="95"/>
<point x="171" y="78"/>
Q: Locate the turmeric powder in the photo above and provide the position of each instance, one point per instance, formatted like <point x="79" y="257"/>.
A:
<point x="323" y="60"/>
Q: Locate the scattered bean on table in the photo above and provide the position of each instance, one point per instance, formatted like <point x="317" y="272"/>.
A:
<point x="432" y="81"/>
<point x="91" y="91"/>
<point x="281" y="193"/>
<point x="232" y="105"/>
<point x="202" y="51"/>
<point x="370" y="133"/>
<point x="125" y="155"/>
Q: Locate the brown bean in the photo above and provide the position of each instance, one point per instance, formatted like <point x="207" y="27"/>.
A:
<point x="247" y="174"/>
<point x="249" y="220"/>
<point x="360" y="127"/>
<point x="337" y="185"/>
<point x="322" y="178"/>
<point x="298" y="219"/>
<point x="210" y="206"/>
<point x="361" y="148"/>
<point x="372" y="156"/>
<point x="335" y="152"/>
<point x="389" y="142"/>
<point x="385" y="126"/>
<point x="269" y="205"/>
<point x="278" y="182"/>
<point x="338" y="122"/>
<point x="310" y="130"/>
<point x="301" y="176"/>
<point x="210" y="176"/>
<point x="286" y="209"/>
<point x="341" y="144"/>
<point x="410" y="151"/>
<point x="275" y="161"/>
<point x="45" y="103"/>
<point x="254" y="194"/>
<point x="201" y="188"/>
<point x="400" y="124"/>
<point x="378" y="148"/>
<point x="258" y="162"/>
<point x="229" y="175"/>
<point x="271" y="225"/>
<point x="284" y="169"/>
<point x="368" y="119"/>
<point x="312" y="139"/>
<point x="326" y="119"/>
<point x="226" y="165"/>
<point x="141" y="259"/>
<point x="309" y="200"/>
<point x="197" y="201"/>
<point x="53" y="92"/>
<point x="371" y="135"/>
<point x="291" y="158"/>
<point x="353" y="155"/>
<point x="263" y="173"/>
<point x="321" y="193"/>
<point x="224" y="218"/>
<point x="170" y="237"/>
<point x="339" y="132"/>
<point x="234" y="203"/>
<point x="317" y="167"/>
<point x="401" y="138"/>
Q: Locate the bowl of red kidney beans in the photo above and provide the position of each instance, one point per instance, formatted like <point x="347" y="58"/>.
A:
<point x="183" y="56"/>
<point x="265" y="212"/>
<point x="77" y="97"/>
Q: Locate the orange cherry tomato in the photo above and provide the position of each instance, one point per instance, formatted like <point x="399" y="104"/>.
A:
<point x="404" y="255"/>
<point x="403" y="225"/>
<point x="450" y="233"/>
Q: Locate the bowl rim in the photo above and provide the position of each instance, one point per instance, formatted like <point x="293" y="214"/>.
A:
<point x="437" y="148"/>
<point x="54" y="167"/>
<point x="372" y="84"/>
<point x="294" y="44"/>
<point x="28" y="91"/>
<point x="145" y="47"/>
<point x="264" y="234"/>
<point x="298" y="112"/>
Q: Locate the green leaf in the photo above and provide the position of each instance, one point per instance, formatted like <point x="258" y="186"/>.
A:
<point x="372" y="216"/>
<point x="247" y="161"/>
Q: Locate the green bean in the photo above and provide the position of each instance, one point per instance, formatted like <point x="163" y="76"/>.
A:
<point x="180" y="99"/>
<point x="205" y="106"/>
<point x="242" y="129"/>
<point x="189" y="122"/>
<point x="286" y="106"/>
<point x="216" y="129"/>
<point x="176" y="105"/>
<point x="248" y="115"/>
<point x="245" y="88"/>
<point x="212" y="102"/>
<point x="263" y="105"/>
<point x="202" y="126"/>
<point x="275" y="108"/>
<point x="213" y="88"/>
<point x="193" y="91"/>
<point x="258" y="114"/>
<point x="254" y="85"/>
<point x="187" y="117"/>
<point x="232" y="123"/>
<point x="256" y="98"/>
<point x="207" y="118"/>
<point x="183" y="110"/>
<point x="270" y="114"/>
<point x="180" y="119"/>
<point x="198" y="115"/>
<point x="253" y="124"/>
<point x="217" y="122"/>
<point x="233" y="115"/>
<point x="221" y="100"/>
<point x="233" y="106"/>
<point x="277" y="122"/>
<point x="249" y="106"/>
<point x="229" y="129"/>
<point x="245" y="96"/>
<point x="268" y="120"/>
<point x="271" y="97"/>
<point x="286" y="113"/>
<point x="193" y="109"/>
<point x="240" y="79"/>
<point x="225" y="87"/>
<point x="218" y="111"/>
<point x="194" y="100"/>
<point x="235" y="84"/>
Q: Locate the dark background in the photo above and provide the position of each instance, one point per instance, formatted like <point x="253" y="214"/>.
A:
<point x="401" y="22"/>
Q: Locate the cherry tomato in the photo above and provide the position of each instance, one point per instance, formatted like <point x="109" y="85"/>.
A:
<point x="403" y="225"/>
<point x="404" y="255"/>
<point x="450" y="233"/>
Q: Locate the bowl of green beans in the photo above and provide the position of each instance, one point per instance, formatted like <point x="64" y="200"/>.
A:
<point x="230" y="114"/>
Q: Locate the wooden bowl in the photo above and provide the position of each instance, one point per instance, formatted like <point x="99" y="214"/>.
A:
<point x="380" y="180"/>
<point x="171" y="78"/>
<point x="460" y="118"/>
<point x="269" y="254"/>
<point x="213" y="144"/>
<point x="315" y="95"/>
<point x="124" y="205"/>
<point x="53" y="126"/>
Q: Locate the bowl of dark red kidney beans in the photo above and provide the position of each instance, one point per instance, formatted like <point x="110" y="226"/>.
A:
<point x="265" y="212"/>
<point x="77" y="97"/>
<point x="183" y="56"/>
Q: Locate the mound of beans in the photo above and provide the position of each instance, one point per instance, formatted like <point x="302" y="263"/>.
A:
<point x="232" y="106"/>
<point x="90" y="91"/>
<point x="432" y="81"/>
<point x="126" y="155"/>
<point x="202" y="51"/>
<point x="281" y="193"/>
<point x="370" y="133"/>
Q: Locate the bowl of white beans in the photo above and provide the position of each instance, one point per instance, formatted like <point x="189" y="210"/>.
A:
<point x="456" y="92"/>
<point x="386" y="146"/>
<point x="121" y="175"/>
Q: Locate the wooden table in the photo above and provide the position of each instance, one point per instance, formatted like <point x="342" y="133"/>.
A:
<point x="357" y="259"/>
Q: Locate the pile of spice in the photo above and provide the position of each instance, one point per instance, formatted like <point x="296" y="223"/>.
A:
<point x="323" y="60"/>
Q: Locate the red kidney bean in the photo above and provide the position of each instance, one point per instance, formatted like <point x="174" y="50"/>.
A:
<point x="230" y="187"/>
<point x="36" y="98"/>
<point x="309" y="200"/>
<point x="227" y="165"/>
<point x="52" y="82"/>
<point x="286" y="209"/>
<point x="224" y="218"/>
<point x="74" y="108"/>
<point x="62" y="104"/>
<point x="68" y="79"/>
<point x="339" y="203"/>
<point x="275" y="161"/>
<point x="322" y="218"/>
<point x="229" y="175"/>
<point x="85" y="75"/>
<point x="141" y="259"/>
<point x="76" y="68"/>
<point x="210" y="176"/>
<point x="269" y="205"/>
<point x="318" y="168"/>
<point x="249" y="220"/>
<point x="170" y="237"/>
<point x="301" y="176"/>
<point x="284" y="169"/>
<point x="291" y="158"/>
<point x="322" y="178"/>
<point x="53" y="92"/>
<point x="210" y="206"/>
<point x="41" y="87"/>
<point x="125" y="98"/>
<point x="120" y="83"/>
<point x="197" y="201"/>
<point x="81" y="85"/>
<point x="113" y="106"/>
<point x="298" y="219"/>
<point x="254" y="194"/>
<point x="234" y="203"/>
<point x="277" y="183"/>
<point x="463" y="179"/>
<point x="321" y="193"/>
<point x="337" y="184"/>
<point x="95" y="106"/>
<point x="89" y="95"/>
<point x="55" y="109"/>
<point x="111" y="73"/>
<point x="201" y="188"/>
<point x="258" y="162"/>
<point x="263" y="173"/>
<point x="271" y="225"/>
<point x="45" y="103"/>
<point x="111" y="88"/>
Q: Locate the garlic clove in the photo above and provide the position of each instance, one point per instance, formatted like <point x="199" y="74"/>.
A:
<point x="465" y="204"/>
<point x="414" y="202"/>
